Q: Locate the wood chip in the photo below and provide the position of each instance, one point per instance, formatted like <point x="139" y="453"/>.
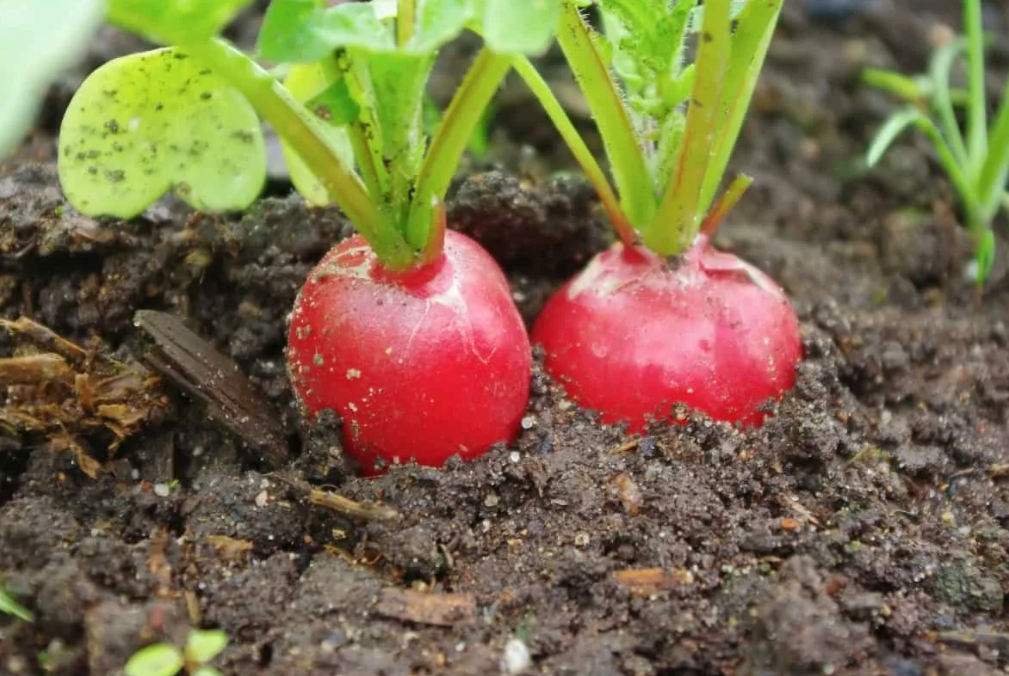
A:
<point x="197" y="368"/>
<point x="648" y="581"/>
<point x="35" y="368"/>
<point x="440" y="610"/>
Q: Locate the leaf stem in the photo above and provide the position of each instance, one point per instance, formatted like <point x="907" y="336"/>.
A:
<point x="450" y="140"/>
<point x="406" y="16"/>
<point x="677" y="220"/>
<point x="299" y="128"/>
<point x="627" y="159"/>
<point x="555" y="111"/>
<point x="725" y="204"/>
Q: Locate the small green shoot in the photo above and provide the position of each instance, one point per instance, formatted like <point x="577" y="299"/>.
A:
<point x="349" y="113"/>
<point x="668" y="128"/>
<point x="165" y="659"/>
<point x="37" y="41"/>
<point x="975" y="157"/>
<point x="9" y="606"/>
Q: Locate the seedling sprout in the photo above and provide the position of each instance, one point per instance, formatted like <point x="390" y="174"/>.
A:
<point x="975" y="157"/>
<point x="166" y="659"/>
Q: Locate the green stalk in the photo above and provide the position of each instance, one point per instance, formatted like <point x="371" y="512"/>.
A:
<point x="450" y="140"/>
<point x="627" y="159"/>
<point x="302" y="131"/>
<point x="375" y="180"/>
<point x="677" y="221"/>
<point x="995" y="170"/>
<point x="942" y="101"/>
<point x="555" y="111"/>
<point x="724" y="205"/>
<point x="755" y="28"/>
<point x="406" y="17"/>
<point x="977" y="117"/>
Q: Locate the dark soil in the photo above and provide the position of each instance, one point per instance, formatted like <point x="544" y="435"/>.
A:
<point x="863" y="530"/>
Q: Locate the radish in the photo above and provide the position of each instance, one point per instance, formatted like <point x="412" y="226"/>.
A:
<point x="407" y="332"/>
<point x="662" y="318"/>
<point x="423" y="365"/>
<point x="634" y="333"/>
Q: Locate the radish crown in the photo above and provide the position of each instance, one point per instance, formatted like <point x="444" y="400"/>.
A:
<point x="668" y="128"/>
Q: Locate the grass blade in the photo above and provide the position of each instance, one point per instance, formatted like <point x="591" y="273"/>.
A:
<point x="912" y="117"/>
<point x="627" y="160"/>
<point x="555" y="111"/>
<point x="977" y="117"/>
<point x="942" y="101"/>
<point x="995" y="170"/>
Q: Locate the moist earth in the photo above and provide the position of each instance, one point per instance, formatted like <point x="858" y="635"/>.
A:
<point x="862" y="530"/>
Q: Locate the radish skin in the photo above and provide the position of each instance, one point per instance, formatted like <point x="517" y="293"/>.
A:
<point x="422" y="365"/>
<point x="634" y="333"/>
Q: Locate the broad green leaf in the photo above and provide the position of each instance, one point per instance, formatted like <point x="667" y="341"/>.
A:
<point x="520" y="26"/>
<point x="37" y="41"/>
<point x="160" y="659"/>
<point x="206" y="671"/>
<point x="146" y="123"/>
<point x="305" y="82"/>
<point x="298" y="31"/>
<point x="439" y="22"/>
<point x="286" y="35"/>
<point x="174" y="21"/>
<point x="11" y="607"/>
<point x="203" y="645"/>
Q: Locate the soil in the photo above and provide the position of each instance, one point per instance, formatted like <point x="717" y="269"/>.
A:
<point x="862" y="530"/>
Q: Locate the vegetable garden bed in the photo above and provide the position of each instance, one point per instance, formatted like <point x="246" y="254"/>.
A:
<point x="863" y="529"/>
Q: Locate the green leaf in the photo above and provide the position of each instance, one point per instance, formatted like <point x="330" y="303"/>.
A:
<point x="439" y="22"/>
<point x="994" y="171"/>
<point x="174" y="21"/>
<point x="11" y="607"/>
<point x="37" y="41"/>
<point x="160" y="659"/>
<point x="305" y="82"/>
<point x="206" y="671"/>
<point x="146" y="123"/>
<point x="335" y="104"/>
<point x="299" y="31"/>
<point x="895" y="126"/>
<point x="203" y="645"/>
<point x="520" y="26"/>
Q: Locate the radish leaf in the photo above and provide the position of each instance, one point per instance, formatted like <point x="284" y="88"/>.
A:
<point x="520" y="26"/>
<point x="146" y="123"/>
<point x="174" y="21"/>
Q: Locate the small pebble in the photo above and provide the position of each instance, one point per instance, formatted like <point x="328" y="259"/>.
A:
<point x="261" y="498"/>
<point x="491" y="500"/>
<point x="516" y="657"/>
<point x="514" y="456"/>
<point x="528" y="422"/>
<point x="162" y="490"/>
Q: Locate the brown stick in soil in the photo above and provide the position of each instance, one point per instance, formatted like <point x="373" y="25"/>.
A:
<point x="208" y="376"/>
<point x="440" y="610"/>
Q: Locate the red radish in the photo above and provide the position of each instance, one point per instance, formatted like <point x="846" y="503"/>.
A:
<point x="421" y="365"/>
<point x="635" y="333"/>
